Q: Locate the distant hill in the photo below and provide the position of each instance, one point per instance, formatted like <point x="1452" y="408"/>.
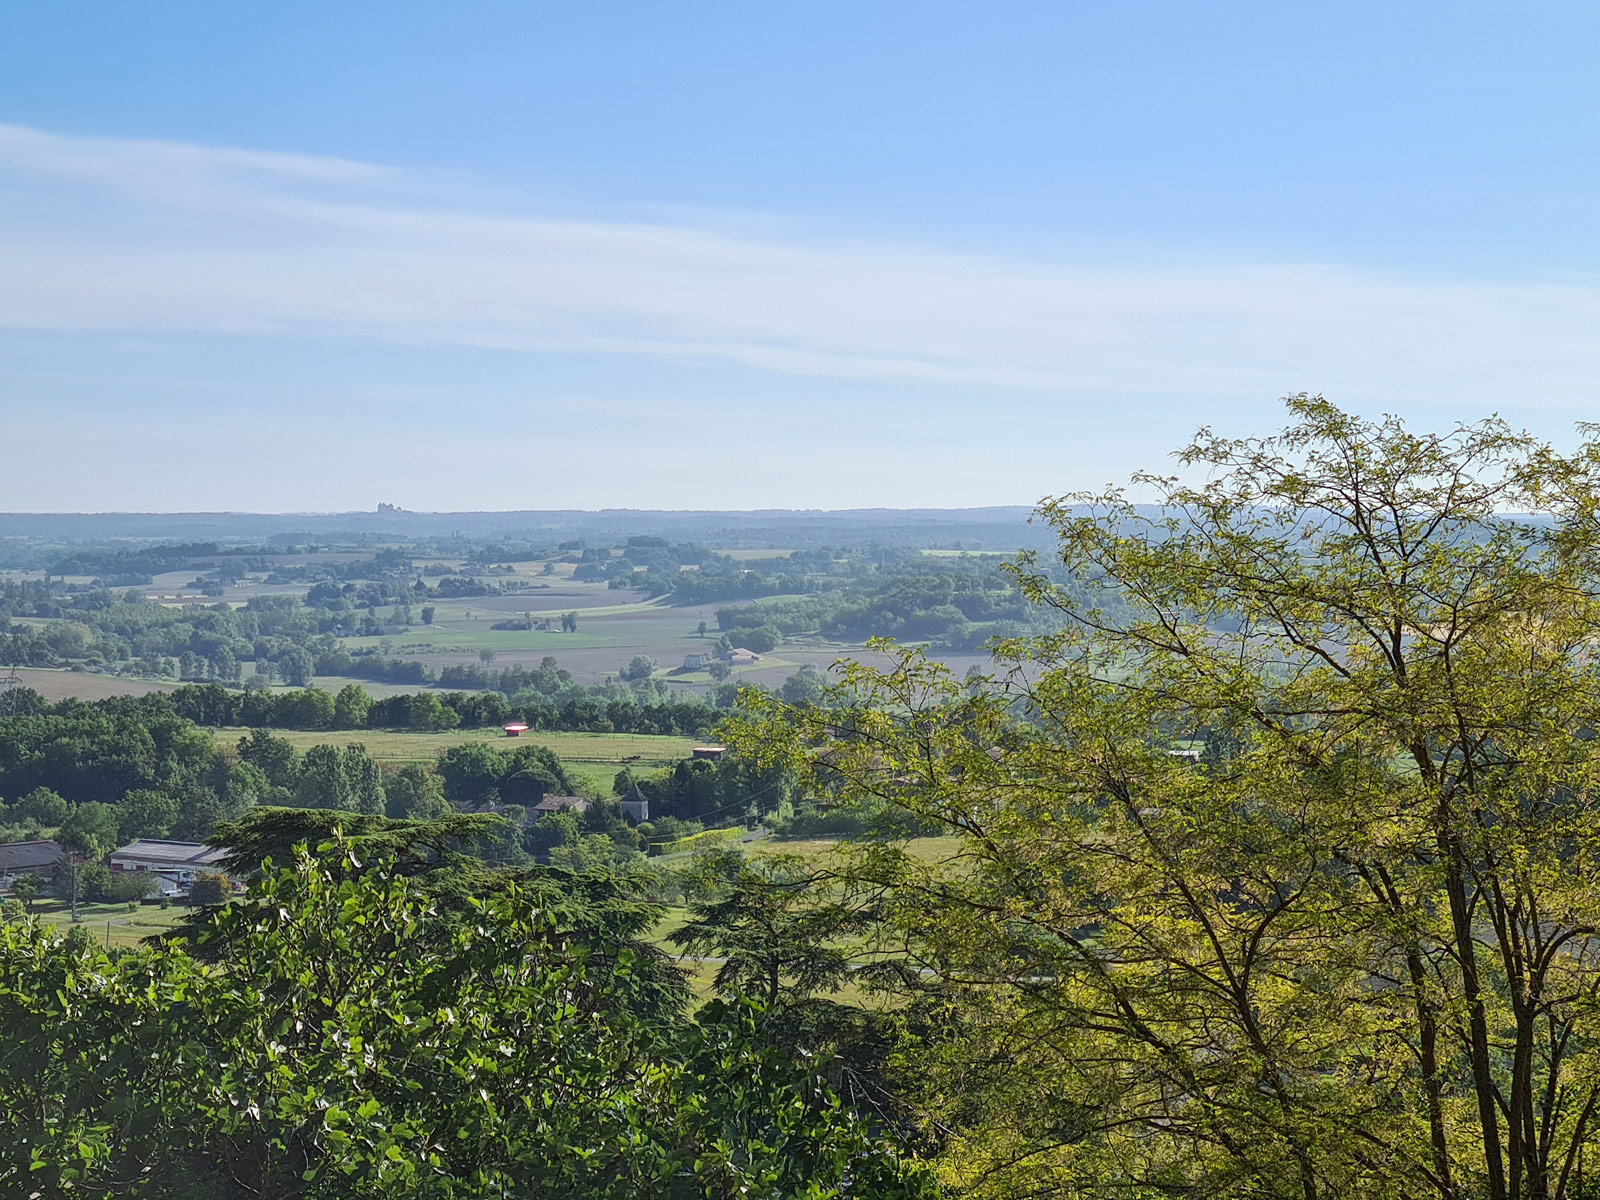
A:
<point x="997" y="528"/>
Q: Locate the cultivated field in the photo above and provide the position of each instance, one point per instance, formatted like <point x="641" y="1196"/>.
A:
<point x="82" y="685"/>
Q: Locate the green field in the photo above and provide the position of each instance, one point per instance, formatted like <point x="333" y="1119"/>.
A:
<point x="927" y="849"/>
<point x="597" y="757"/>
<point x="112" y="924"/>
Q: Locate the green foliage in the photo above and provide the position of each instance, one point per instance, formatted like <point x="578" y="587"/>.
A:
<point x="89" y="831"/>
<point x="1346" y="953"/>
<point x="347" y="1043"/>
<point x="425" y="711"/>
<point x="478" y="773"/>
<point x="275" y="757"/>
<point x="308" y="708"/>
<point x="145" y="812"/>
<point x="352" y="705"/>
<point x="28" y="888"/>
<point x="209" y="888"/>
<point x="414" y="792"/>
<point x="340" y="777"/>
<point x="640" y="666"/>
<point x="774" y="926"/>
<point x="44" y="807"/>
<point x="130" y="885"/>
<point x="705" y="840"/>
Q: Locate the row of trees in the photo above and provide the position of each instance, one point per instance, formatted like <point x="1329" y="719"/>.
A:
<point x="352" y="707"/>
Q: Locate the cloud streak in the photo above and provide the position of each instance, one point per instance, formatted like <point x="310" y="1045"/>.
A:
<point x="140" y="236"/>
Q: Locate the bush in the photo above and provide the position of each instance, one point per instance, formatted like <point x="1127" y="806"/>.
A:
<point x="639" y="667"/>
<point x="131" y="886"/>
<point x="209" y="889"/>
<point x="710" y="839"/>
<point x="759" y="638"/>
<point x="811" y="821"/>
<point x="94" y="882"/>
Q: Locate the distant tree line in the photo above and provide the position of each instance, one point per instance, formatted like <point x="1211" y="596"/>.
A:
<point x="352" y="707"/>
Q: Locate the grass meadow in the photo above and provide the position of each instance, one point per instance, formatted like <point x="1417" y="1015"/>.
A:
<point x="596" y="757"/>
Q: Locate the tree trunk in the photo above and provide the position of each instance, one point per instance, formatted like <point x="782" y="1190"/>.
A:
<point x="1478" y="1048"/>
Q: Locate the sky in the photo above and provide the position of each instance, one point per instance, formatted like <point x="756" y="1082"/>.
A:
<point x="311" y="257"/>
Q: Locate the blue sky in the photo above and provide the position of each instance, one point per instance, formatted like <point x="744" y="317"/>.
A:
<point x="513" y="256"/>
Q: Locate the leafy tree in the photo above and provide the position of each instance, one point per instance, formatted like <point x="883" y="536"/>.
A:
<point x="94" y="882"/>
<point x="248" y="785"/>
<point x="226" y="665"/>
<point x="772" y="924"/>
<point x="278" y="1067"/>
<point x="414" y="793"/>
<point x="276" y="757"/>
<point x="1346" y="952"/>
<point x="27" y="888"/>
<point x="87" y="835"/>
<point x="351" y="707"/>
<point x="199" y="809"/>
<point x="296" y="667"/>
<point x="322" y="782"/>
<point x="426" y="712"/>
<point x="145" y="812"/>
<point x="640" y="666"/>
<point x="365" y="780"/>
<point x="344" y="779"/>
<point x="130" y="885"/>
<point x="805" y="686"/>
<point x="427" y="614"/>
<point x="569" y="622"/>
<point x="701" y="629"/>
<point x="44" y="806"/>
<point x="548" y="832"/>
<point x="308" y="708"/>
<point x="477" y="773"/>
<point x="209" y="888"/>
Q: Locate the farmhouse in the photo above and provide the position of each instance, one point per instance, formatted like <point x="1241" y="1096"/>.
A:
<point x="177" y="861"/>
<point x="29" y="858"/>
<point x="740" y="657"/>
<point x="555" y="804"/>
<point x="696" y="660"/>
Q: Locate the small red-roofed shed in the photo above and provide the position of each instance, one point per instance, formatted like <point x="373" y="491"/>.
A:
<point x="516" y="729"/>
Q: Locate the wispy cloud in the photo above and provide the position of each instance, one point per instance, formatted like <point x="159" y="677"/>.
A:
<point x="140" y="236"/>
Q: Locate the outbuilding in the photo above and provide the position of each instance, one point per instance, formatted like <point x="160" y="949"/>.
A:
<point x="177" y="861"/>
<point x="17" y="859"/>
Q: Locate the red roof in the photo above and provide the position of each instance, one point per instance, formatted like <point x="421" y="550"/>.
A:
<point x="517" y="725"/>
